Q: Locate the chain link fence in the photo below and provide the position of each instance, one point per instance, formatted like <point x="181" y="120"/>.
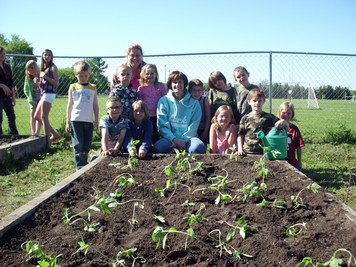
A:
<point x="313" y="81"/>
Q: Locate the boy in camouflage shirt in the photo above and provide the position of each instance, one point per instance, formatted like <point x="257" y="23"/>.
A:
<point x="254" y="122"/>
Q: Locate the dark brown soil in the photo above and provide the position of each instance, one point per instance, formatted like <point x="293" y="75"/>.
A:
<point x="6" y="139"/>
<point x="328" y="225"/>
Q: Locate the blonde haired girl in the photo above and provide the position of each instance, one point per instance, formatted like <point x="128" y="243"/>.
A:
<point x="295" y="139"/>
<point x="223" y="130"/>
<point x="33" y="94"/>
<point x="150" y="91"/>
<point x="140" y="128"/>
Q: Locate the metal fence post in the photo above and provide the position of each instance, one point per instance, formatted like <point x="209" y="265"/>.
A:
<point x="270" y="82"/>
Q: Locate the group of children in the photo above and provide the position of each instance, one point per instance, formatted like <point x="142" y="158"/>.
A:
<point x="230" y="116"/>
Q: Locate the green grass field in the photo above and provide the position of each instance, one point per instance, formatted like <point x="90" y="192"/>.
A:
<point x="313" y="123"/>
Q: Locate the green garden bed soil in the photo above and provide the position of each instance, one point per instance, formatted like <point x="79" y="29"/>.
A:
<point x="330" y="224"/>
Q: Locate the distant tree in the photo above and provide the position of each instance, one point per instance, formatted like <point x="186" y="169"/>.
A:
<point x="66" y="78"/>
<point x="97" y="77"/>
<point x="325" y="92"/>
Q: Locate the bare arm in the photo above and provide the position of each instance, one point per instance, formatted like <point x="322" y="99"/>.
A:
<point x="240" y="143"/>
<point x="96" y="112"/>
<point x="232" y="139"/>
<point x="69" y="109"/>
<point x="205" y="134"/>
<point x="212" y="139"/>
<point x="119" y="142"/>
<point x="105" y="142"/>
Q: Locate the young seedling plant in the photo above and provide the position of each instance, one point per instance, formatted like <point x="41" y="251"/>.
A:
<point x="295" y="229"/>
<point x="223" y="246"/>
<point x="260" y="166"/>
<point x="240" y="226"/>
<point x="101" y="204"/>
<point x="132" y="161"/>
<point x="297" y="201"/>
<point x="129" y="254"/>
<point x="218" y="184"/>
<point x="159" y="234"/>
<point x="182" y="171"/>
<point x="333" y="262"/>
<point x="36" y="254"/>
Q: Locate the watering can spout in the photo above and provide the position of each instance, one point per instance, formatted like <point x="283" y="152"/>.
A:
<point x="261" y="135"/>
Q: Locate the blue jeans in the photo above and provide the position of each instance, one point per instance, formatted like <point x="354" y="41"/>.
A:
<point x="6" y="105"/>
<point x="82" y="133"/>
<point x="195" y="145"/>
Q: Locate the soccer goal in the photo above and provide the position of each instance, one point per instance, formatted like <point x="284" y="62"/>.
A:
<point x="312" y="100"/>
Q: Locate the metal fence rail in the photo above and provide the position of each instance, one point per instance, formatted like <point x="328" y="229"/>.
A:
<point x="282" y="75"/>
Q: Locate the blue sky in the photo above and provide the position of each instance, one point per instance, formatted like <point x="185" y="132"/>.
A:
<point x="107" y="27"/>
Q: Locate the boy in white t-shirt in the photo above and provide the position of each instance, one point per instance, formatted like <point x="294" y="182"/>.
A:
<point x="82" y="105"/>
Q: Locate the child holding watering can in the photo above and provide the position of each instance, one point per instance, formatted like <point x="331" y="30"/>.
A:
<point x="254" y="122"/>
<point x="295" y="140"/>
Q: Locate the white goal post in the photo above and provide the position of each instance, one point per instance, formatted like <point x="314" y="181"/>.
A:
<point x="312" y="100"/>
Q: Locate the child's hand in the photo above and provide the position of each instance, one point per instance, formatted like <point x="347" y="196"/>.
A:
<point x="105" y="152"/>
<point x="180" y="143"/>
<point x="6" y="89"/>
<point x="132" y="153"/>
<point x="67" y="128"/>
<point x="281" y="123"/>
<point x="141" y="153"/>
<point x="42" y="74"/>
<point x="114" y="152"/>
<point x="240" y="153"/>
<point x="95" y="126"/>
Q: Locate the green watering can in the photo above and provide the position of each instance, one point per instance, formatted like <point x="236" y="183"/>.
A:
<point x="275" y="140"/>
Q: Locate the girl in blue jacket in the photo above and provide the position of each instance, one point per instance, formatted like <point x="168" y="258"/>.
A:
<point x="178" y="118"/>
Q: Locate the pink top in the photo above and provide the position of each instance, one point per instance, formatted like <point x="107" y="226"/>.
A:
<point x="221" y="144"/>
<point x="150" y="95"/>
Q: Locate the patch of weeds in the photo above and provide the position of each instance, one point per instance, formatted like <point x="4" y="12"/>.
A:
<point x="340" y="135"/>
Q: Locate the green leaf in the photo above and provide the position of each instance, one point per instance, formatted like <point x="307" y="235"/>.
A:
<point x="167" y="170"/>
<point x="164" y="241"/>
<point x="241" y="220"/>
<point x="230" y="234"/>
<point x="305" y="262"/>
<point x="242" y="232"/>
<point x="190" y="232"/>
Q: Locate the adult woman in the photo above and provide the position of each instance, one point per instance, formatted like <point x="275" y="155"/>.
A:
<point x="178" y="116"/>
<point x="134" y="59"/>
<point x="7" y="93"/>
<point x="49" y="82"/>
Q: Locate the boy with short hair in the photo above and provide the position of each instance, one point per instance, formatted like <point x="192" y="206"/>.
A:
<point x="241" y="76"/>
<point x="124" y="89"/>
<point x="113" y="127"/>
<point x="255" y="121"/>
<point x="82" y="105"/>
